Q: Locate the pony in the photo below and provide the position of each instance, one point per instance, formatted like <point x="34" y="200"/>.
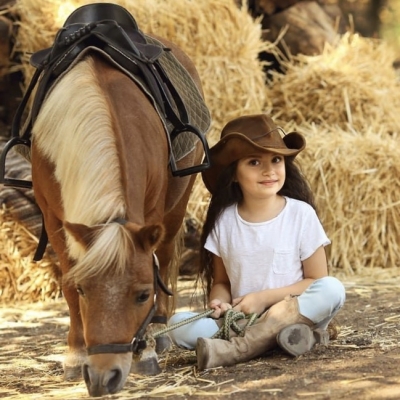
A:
<point x="112" y="211"/>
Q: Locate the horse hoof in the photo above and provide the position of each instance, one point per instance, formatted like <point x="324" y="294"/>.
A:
<point x="73" y="373"/>
<point x="146" y="367"/>
<point x="163" y="343"/>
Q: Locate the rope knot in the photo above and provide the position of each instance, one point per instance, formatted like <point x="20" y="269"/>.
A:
<point x="230" y="324"/>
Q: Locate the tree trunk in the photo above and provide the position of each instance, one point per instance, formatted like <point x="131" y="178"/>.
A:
<point x="6" y="28"/>
<point x="10" y="89"/>
<point x="270" y="7"/>
<point x="308" y="27"/>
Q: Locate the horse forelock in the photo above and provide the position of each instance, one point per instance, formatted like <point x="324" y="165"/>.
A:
<point x="74" y="129"/>
<point x="109" y="254"/>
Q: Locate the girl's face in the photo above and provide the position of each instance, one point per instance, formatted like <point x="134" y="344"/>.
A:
<point x="261" y="175"/>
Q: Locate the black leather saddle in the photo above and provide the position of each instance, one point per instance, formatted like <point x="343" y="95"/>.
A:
<point x="111" y="29"/>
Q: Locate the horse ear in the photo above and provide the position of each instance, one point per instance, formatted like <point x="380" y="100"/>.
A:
<point x="151" y="236"/>
<point x="83" y="234"/>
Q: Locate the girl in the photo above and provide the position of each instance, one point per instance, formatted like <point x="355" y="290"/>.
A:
<point x="262" y="249"/>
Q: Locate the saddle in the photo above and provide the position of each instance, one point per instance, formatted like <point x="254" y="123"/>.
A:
<point x="111" y="30"/>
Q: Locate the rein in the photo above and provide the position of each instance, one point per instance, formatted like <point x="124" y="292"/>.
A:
<point x="228" y="324"/>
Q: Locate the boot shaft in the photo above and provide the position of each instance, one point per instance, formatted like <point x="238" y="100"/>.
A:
<point x="258" y="338"/>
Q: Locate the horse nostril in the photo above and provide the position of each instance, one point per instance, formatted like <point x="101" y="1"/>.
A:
<point x="114" y="381"/>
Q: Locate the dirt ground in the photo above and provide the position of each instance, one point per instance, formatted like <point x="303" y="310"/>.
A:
<point x="363" y="363"/>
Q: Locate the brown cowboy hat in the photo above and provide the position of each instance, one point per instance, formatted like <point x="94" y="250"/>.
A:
<point x="247" y="135"/>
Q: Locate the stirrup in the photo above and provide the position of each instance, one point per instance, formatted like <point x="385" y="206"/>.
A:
<point x="10" y="181"/>
<point x="196" y="168"/>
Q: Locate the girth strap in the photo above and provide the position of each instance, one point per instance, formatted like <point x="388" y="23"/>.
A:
<point x="43" y="240"/>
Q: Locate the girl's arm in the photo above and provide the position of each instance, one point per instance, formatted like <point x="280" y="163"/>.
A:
<point x="314" y="267"/>
<point x="220" y="294"/>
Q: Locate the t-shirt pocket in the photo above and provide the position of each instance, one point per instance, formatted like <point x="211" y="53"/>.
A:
<point x="285" y="261"/>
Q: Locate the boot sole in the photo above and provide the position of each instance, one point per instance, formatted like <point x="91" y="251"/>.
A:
<point x="297" y="339"/>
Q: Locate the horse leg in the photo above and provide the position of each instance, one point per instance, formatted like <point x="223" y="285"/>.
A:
<point x="169" y="257"/>
<point x="169" y="253"/>
<point x="76" y="354"/>
<point x="48" y="198"/>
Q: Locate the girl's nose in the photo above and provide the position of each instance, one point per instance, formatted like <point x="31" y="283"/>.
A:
<point x="267" y="169"/>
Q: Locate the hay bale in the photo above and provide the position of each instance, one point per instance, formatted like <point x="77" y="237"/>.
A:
<point x="20" y="278"/>
<point x="352" y="85"/>
<point x="354" y="176"/>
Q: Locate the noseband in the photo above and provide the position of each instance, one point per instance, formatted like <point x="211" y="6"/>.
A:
<point x="138" y="343"/>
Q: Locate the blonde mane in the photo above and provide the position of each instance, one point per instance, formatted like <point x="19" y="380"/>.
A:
<point x="74" y="130"/>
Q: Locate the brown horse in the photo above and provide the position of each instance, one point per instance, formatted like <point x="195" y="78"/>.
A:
<point x="111" y="209"/>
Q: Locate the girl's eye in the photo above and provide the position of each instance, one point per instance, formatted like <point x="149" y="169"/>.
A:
<point x="254" y="162"/>
<point x="277" y="159"/>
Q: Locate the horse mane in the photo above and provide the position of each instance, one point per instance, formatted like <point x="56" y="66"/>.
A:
<point x="101" y="255"/>
<point x="80" y="142"/>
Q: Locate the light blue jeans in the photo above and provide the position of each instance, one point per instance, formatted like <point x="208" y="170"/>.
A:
<point x="320" y="302"/>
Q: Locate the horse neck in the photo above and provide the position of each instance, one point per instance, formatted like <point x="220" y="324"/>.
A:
<point x="141" y="144"/>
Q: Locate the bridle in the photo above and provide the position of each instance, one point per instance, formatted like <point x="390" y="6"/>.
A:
<point x="138" y="343"/>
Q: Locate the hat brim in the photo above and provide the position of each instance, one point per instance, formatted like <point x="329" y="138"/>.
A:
<point x="235" y="146"/>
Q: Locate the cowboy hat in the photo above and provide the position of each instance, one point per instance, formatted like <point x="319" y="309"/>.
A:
<point x="248" y="135"/>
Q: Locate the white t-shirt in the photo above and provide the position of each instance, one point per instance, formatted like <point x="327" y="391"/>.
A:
<point x="266" y="255"/>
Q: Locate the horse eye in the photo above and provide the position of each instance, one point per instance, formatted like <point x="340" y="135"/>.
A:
<point x="80" y="290"/>
<point x="143" y="297"/>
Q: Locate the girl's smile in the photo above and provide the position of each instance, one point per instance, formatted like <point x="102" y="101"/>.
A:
<point x="269" y="182"/>
<point x="261" y="174"/>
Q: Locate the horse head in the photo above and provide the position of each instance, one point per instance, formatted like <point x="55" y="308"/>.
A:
<point x="117" y="296"/>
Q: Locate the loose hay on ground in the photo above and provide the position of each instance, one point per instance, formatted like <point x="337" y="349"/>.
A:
<point x="34" y="341"/>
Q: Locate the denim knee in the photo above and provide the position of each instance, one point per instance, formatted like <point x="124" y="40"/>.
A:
<point x="333" y="289"/>
<point x="322" y="299"/>
<point x="186" y="335"/>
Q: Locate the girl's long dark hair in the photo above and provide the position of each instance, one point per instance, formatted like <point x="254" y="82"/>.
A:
<point x="228" y="192"/>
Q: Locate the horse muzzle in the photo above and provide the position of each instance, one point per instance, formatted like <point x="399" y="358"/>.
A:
<point x="106" y="374"/>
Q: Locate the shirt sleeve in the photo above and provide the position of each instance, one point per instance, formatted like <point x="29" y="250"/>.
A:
<point x="313" y="235"/>
<point x="212" y="243"/>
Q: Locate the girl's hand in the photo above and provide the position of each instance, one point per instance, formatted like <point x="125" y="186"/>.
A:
<point x="249" y="304"/>
<point x="219" y="308"/>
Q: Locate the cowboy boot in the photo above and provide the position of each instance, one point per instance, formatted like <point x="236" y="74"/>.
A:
<point x="297" y="339"/>
<point x="258" y="338"/>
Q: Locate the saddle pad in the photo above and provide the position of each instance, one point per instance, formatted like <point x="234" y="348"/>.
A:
<point x="199" y="115"/>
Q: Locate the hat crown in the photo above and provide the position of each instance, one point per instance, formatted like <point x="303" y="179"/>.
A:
<point x="246" y="136"/>
<point x="258" y="128"/>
